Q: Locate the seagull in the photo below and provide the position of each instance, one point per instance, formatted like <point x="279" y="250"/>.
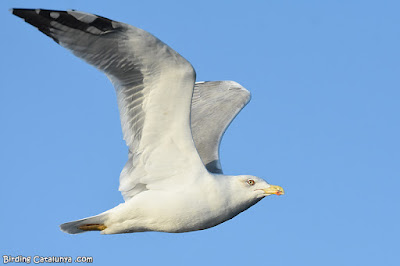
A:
<point x="173" y="180"/>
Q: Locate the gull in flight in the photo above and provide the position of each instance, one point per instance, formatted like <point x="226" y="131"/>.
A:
<point x="173" y="180"/>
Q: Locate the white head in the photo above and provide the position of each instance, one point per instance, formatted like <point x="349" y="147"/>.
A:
<point x="255" y="187"/>
<point x="245" y="191"/>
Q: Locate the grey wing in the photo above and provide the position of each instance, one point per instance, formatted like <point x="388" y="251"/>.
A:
<point x="154" y="86"/>
<point x="214" y="105"/>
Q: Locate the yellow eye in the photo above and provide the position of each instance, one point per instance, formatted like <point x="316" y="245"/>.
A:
<point x="251" y="182"/>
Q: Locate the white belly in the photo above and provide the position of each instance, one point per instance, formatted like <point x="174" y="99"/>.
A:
<point x="173" y="212"/>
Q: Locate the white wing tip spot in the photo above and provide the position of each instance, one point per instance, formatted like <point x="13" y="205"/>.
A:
<point x="82" y="16"/>
<point x="54" y="15"/>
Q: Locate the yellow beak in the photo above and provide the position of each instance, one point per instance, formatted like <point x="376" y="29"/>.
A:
<point x="277" y="190"/>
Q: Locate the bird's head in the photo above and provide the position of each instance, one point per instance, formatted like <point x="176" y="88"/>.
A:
<point x="256" y="187"/>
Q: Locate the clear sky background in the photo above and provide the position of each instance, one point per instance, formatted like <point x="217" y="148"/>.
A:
<point x="323" y="123"/>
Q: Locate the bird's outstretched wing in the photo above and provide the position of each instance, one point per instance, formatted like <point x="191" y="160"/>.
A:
<point x="214" y="105"/>
<point x="154" y="86"/>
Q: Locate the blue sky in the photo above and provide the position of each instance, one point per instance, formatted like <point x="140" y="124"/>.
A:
<point x="323" y="123"/>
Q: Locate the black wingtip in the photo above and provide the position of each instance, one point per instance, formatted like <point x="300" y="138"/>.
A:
<point x="35" y="18"/>
<point x="14" y="11"/>
<point x="41" y="18"/>
<point x="21" y="11"/>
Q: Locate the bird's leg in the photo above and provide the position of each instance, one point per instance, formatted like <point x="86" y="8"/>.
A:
<point x="92" y="227"/>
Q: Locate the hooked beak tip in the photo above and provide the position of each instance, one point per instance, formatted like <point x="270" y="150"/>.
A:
<point x="276" y="190"/>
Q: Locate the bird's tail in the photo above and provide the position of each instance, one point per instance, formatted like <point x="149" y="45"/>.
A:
<point x="93" y="223"/>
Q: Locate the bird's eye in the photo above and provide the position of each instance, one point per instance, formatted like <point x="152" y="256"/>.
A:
<point x="251" y="182"/>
